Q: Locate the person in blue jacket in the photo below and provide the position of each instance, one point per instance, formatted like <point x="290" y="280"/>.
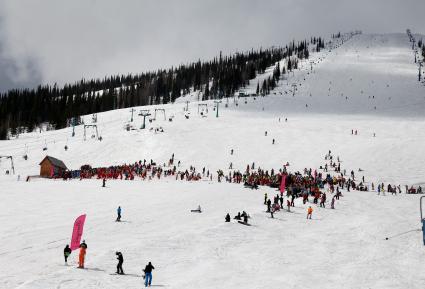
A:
<point x="119" y="214"/>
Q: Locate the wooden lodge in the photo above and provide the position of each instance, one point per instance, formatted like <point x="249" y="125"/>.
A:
<point x="51" y="167"/>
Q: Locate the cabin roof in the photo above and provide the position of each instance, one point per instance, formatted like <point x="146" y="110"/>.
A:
<point x="54" y="161"/>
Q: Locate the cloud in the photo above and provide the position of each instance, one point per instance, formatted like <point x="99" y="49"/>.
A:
<point x="69" y="40"/>
<point x="14" y="73"/>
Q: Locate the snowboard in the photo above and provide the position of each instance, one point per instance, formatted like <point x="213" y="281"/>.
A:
<point x="243" y="223"/>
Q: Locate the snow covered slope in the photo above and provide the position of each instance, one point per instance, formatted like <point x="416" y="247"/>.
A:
<point x="342" y="248"/>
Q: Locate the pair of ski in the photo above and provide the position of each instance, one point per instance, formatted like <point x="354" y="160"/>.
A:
<point x="124" y="274"/>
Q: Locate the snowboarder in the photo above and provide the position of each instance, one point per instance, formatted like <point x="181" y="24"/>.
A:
<point x="309" y="212"/>
<point x="148" y="274"/>
<point x="82" y="255"/>
<point x="120" y="259"/>
<point x="66" y="252"/>
<point x="227" y="218"/>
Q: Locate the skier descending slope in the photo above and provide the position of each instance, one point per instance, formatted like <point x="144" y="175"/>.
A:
<point x="148" y="274"/>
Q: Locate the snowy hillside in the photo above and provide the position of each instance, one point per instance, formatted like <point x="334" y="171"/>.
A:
<point x="368" y="84"/>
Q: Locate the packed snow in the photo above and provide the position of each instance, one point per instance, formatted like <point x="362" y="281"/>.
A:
<point x="368" y="84"/>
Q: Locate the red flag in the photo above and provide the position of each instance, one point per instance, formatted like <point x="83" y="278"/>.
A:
<point x="283" y="184"/>
<point x="77" y="232"/>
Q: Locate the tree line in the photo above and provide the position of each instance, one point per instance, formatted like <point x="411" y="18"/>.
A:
<point x="23" y="110"/>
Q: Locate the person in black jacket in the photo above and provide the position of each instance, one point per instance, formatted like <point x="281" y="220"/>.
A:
<point x="227" y="217"/>
<point x="120" y="259"/>
<point x="66" y="252"/>
<point x="148" y="274"/>
<point x="269" y="205"/>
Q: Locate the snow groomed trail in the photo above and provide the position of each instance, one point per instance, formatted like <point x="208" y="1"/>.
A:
<point x="368" y="84"/>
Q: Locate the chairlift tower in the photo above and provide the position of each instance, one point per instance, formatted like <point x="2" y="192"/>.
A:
<point x="132" y="110"/>
<point x="144" y="113"/>
<point x="73" y="126"/>
<point x="217" y="103"/>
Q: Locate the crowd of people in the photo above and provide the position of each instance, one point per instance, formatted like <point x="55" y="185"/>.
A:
<point x="308" y="182"/>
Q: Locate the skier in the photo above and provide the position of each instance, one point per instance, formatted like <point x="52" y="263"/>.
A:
<point x="309" y="212"/>
<point x="281" y="201"/>
<point x="198" y="210"/>
<point x="288" y="204"/>
<point x="227" y="218"/>
<point x="66" y="252"/>
<point x="120" y="259"/>
<point x="273" y="141"/>
<point x="272" y="212"/>
<point x="333" y="203"/>
<point x="269" y="204"/>
<point x="119" y="214"/>
<point x="148" y="274"/>
<point x="265" y="198"/>
<point x="82" y="255"/>
<point x="103" y="183"/>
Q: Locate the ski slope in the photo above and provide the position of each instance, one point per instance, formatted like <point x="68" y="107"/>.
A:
<point x="342" y="248"/>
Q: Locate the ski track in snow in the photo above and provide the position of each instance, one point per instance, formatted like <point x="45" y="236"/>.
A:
<point x="341" y="248"/>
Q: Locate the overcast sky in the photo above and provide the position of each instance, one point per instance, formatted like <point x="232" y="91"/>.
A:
<point x="51" y="41"/>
